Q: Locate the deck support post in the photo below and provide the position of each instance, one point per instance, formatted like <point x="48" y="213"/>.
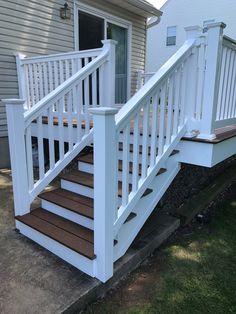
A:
<point x="108" y="75"/>
<point x="16" y="136"/>
<point x="212" y="78"/>
<point x="104" y="189"/>
<point x="192" y="32"/>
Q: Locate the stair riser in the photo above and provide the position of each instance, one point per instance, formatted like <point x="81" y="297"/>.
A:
<point x="68" y="255"/>
<point x="67" y="214"/>
<point x="82" y="166"/>
<point x="80" y="189"/>
<point x="77" y="188"/>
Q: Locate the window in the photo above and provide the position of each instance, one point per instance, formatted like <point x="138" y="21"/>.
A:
<point x="171" y="36"/>
<point x="91" y="31"/>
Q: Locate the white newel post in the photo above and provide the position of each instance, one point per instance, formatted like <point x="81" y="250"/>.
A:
<point x="16" y="136"/>
<point x="192" y="32"/>
<point x="139" y="79"/>
<point x="104" y="189"/>
<point x="212" y="77"/>
<point x="108" y="78"/>
<point x="22" y="79"/>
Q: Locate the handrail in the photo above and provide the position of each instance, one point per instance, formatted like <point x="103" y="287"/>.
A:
<point x="43" y="104"/>
<point x="230" y="41"/>
<point x="127" y="110"/>
<point x="60" y="56"/>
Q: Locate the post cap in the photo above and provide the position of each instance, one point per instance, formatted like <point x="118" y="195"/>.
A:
<point x="109" y="42"/>
<point x="13" y="101"/>
<point x="103" y="111"/>
<point x="217" y="24"/>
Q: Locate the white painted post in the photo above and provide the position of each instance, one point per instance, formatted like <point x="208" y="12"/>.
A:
<point x="22" y="79"/>
<point x="105" y="162"/>
<point x="139" y="79"/>
<point x="212" y="77"/>
<point x="192" y="32"/>
<point x="16" y="136"/>
<point x="109" y="77"/>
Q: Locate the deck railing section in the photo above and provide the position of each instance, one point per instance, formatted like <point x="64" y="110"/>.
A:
<point x="143" y="77"/>
<point x="38" y="76"/>
<point x="65" y="113"/>
<point x="155" y="118"/>
<point x="226" y="105"/>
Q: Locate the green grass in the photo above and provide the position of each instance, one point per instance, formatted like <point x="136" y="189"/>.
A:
<point x="197" y="276"/>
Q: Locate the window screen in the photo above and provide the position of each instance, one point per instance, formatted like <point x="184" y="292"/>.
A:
<point x="171" y="36"/>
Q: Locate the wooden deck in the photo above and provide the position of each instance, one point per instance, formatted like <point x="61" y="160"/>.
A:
<point x="222" y="134"/>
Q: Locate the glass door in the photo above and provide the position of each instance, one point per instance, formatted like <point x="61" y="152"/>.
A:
<point x="92" y="30"/>
<point x="119" y="34"/>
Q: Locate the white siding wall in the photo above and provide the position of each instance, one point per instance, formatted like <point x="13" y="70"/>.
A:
<point x="182" y="13"/>
<point x="34" y="27"/>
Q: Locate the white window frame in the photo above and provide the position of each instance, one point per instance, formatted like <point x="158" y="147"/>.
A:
<point x="108" y="18"/>
<point x="168" y="27"/>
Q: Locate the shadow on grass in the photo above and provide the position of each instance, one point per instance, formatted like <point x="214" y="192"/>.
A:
<point x="197" y="276"/>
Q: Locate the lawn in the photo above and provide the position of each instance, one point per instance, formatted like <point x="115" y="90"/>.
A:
<point x="195" y="273"/>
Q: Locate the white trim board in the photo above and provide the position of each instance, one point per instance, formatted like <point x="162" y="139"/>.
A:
<point x="108" y="18"/>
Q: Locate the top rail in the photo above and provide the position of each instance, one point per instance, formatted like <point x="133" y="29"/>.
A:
<point x="43" y="104"/>
<point x="62" y="56"/>
<point x="229" y="42"/>
<point x="170" y="66"/>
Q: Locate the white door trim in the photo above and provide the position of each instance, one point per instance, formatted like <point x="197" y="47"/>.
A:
<point x="108" y="18"/>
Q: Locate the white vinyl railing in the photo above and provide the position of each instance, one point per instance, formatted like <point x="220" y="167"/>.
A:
<point x="155" y="119"/>
<point x="143" y="77"/>
<point x="226" y="105"/>
<point x="61" y="117"/>
<point x="38" y="76"/>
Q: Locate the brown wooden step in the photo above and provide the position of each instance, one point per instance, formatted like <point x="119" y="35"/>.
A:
<point x="174" y="152"/>
<point x="61" y="230"/>
<point x="86" y="179"/>
<point x="130" y="217"/>
<point x="88" y="158"/>
<point x="161" y="171"/>
<point x="74" y="202"/>
<point x="67" y="225"/>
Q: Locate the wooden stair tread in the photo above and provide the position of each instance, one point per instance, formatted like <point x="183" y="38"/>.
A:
<point x="58" y="234"/>
<point x="67" y="225"/>
<point x="130" y="217"/>
<point x="86" y="179"/>
<point x="72" y="201"/>
<point x="174" y="152"/>
<point x="88" y="158"/>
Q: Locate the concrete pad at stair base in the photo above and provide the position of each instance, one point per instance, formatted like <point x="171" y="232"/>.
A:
<point x="33" y="278"/>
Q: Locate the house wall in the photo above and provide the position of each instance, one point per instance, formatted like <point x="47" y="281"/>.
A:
<point x="35" y="28"/>
<point x="182" y="13"/>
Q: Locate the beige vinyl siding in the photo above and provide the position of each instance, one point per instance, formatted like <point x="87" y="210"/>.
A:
<point x="34" y="27"/>
<point x="30" y="27"/>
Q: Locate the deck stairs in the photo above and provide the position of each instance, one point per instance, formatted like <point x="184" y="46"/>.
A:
<point x="64" y="222"/>
<point x="123" y="160"/>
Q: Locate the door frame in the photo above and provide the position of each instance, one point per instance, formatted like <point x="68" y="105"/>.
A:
<point x="108" y="18"/>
